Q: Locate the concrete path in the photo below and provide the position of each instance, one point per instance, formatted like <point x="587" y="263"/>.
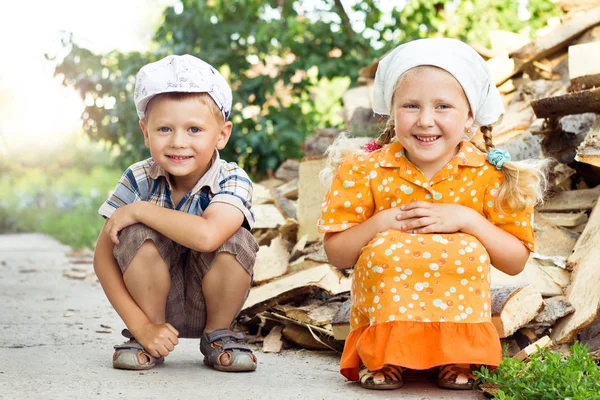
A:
<point x="57" y="333"/>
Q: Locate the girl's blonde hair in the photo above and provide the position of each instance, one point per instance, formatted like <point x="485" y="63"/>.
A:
<point x="524" y="185"/>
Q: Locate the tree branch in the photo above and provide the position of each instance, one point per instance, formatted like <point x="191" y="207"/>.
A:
<point x="345" y="20"/>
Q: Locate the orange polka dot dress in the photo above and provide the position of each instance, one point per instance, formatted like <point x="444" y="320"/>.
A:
<point x="419" y="300"/>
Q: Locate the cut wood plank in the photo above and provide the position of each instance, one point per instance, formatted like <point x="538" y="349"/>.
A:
<point x="311" y="193"/>
<point x="571" y="103"/>
<point x="513" y="307"/>
<point x="572" y="200"/>
<point x="271" y="261"/>
<point x="583" y="291"/>
<point x="272" y="342"/>
<point x="589" y="150"/>
<point x="533" y="348"/>
<point x="322" y="276"/>
<point x="558" y="38"/>
<point x="267" y="216"/>
<point x="565" y="219"/>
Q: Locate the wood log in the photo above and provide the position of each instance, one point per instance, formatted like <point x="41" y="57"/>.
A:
<point x="285" y="206"/>
<point x="288" y="170"/>
<point x="572" y="200"/>
<point x="589" y="150"/>
<point x="513" y="307"/>
<point x="261" y="194"/>
<point x="570" y="5"/>
<point x="583" y="291"/>
<point x="571" y="103"/>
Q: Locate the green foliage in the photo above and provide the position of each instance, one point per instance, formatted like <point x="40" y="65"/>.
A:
<point x="548" y="376"/>
<point x="276" y="54"/>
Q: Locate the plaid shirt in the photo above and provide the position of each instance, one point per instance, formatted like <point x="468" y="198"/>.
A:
<point x="146" y="181"/>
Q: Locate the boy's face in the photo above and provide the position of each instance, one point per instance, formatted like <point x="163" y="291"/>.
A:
<point x="182" y="135"/>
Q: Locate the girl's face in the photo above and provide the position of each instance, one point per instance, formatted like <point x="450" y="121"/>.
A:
<point x="431" y="115"/>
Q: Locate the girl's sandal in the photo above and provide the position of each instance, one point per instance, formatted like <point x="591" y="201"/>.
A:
<point x="223" y="351"/>
<point x="456" y="376"/>
<point x="387" y="378"/>
<point x="132" y="355"/>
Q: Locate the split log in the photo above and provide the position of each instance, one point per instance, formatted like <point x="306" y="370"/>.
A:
<point x="569" y="5"/>
<point x="267" y="216"/>
<point x="580" y="102"/>
<point x="288" y="170"/>
<point x="261" y="195"/>
<point x="301" y="336"/>
<point x="289" y="189"/>
<point x="311" y="193"/>
<point x="558" y="38"/>
<point x="280" y="290"/>
<point x="590" y="336"/>
<point x="562" y="142"/>
<point x="589" y="150"/>
<point x="513" y="307"/>
<point x="271" y="261"/>
<point x="533" y="348"/>
<point x="314" y="312"/>
<point x="285" y="206"/>
<point x="565" y="219"/>
<point x="572" y="200"/>
<point x="548" y="281"/>
<point x="272" y="342"/>
<point x="341" y="321"/>
<point x="554" y="308"/>
<point x="583" y="291"/>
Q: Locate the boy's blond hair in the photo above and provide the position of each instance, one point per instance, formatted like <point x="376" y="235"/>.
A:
<point x="203" y="98"/>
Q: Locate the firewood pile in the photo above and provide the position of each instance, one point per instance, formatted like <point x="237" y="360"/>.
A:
<point x="551" y="88"/>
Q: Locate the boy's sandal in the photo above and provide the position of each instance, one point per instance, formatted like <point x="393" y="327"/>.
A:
<point x="387" y="378"/>
<point x="132" y="355"/>
<point x="223" y="351"/>
<point x="456" y="376"/>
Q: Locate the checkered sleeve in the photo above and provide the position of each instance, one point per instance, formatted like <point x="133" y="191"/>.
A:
<point x="133" y="186"/>
<point x="235" y="189"/>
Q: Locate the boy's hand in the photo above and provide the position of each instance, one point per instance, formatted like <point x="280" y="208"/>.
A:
<point x="122" y="218"/>
<point x="424" y="217"/>
<point x="158" y="339"/>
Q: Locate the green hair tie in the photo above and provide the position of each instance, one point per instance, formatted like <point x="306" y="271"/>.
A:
<point x="498" y="157"/>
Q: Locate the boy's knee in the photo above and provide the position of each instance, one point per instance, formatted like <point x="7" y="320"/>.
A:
<point x="147" y="251"/>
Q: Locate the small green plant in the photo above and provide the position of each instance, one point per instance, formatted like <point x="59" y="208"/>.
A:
<point x="548" y="376"/>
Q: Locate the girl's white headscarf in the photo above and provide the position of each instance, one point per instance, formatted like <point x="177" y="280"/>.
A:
<point x="452" y="55"/>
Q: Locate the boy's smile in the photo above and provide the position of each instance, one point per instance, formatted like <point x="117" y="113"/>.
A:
<point x="431" y="115"/>
<point x="182" y="135"/>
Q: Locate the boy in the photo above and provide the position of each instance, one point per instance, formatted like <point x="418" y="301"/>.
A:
<point x="175" y="255"/>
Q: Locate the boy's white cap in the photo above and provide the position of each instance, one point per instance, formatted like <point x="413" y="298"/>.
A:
<point x="184" y="73"/>
<point x="452" y="55"/>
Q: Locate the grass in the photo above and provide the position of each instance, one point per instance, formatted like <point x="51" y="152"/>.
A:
<point x="547" y="376"/>
<point x="61" y="202"/>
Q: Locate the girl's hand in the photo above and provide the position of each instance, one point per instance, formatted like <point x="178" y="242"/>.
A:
<point x="121" y="218"/>
<point x="424" y="217"/>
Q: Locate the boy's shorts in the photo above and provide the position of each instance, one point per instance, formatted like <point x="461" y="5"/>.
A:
<point x="186" y="309"/>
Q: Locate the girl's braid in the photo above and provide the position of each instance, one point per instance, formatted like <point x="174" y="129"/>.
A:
<point x="388" y="133"/>
<point x="487" y="138"/>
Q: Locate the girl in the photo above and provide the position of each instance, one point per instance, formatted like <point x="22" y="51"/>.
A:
<point x="422" y="218"/>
